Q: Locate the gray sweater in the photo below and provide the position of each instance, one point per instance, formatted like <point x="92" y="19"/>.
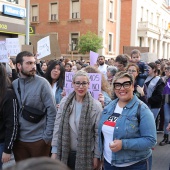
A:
<point x="36" y="92"/>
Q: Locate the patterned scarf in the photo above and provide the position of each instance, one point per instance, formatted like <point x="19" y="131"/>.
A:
<point x="84" y="156"/>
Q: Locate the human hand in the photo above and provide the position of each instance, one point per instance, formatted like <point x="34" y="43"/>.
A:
<point x="54" y="156"/>
<point x="168" y="127"/>
<point x="101" y="99"/>
<point x="63" y="93"/>
<point x="116" y="145"/>
<point x="140" y="90"/>
<point x="36" y="58"/>
<point x="95" y="163"/>
<point x="11" y="64"/>
<point x="5" y="157"/>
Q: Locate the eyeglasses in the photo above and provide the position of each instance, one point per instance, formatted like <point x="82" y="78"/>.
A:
<point x="78" y="84"/>
<point x="132" y="71"/>
<point x="126" y="85"/>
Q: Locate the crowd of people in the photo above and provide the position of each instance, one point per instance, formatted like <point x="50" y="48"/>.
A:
<point x="115" y="132"/>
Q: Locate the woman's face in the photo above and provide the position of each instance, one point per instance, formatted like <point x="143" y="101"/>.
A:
<point x="133" y="71"/>
<point x="74" y="69"/>
<point x="81" y="85"/>
<point x="124" y="89"/>
<point x="167" y="70"/>
<point x="44" y="67"/>
<point x="150" y="71"/>
<point x="55" y="73"/>
<point x="109" y="74"/>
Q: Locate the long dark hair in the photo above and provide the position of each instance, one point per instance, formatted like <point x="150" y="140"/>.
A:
<point x="4" y="82"/>
<point x="62" y="73"/>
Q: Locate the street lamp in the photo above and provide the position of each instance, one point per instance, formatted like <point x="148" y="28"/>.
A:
<point x="27" y="21"/>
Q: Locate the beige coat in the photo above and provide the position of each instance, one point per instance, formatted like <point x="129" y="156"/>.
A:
<point x="95" y="116"/>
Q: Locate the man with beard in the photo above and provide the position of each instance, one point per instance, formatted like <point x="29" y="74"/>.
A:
<point x="33" y="92"/>
<point x="102" y="66"/>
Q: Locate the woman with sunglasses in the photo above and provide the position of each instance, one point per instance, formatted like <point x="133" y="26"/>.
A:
<point x="56" y="75"/>
<point x="127" y="129"/>
<point x="75" y="137"/>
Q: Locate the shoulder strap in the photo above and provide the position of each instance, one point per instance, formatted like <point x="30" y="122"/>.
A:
<point x="19" y="90"/>
<point x="138" y="112"/>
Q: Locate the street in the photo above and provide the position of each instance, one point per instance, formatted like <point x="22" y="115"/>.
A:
<point x="161" y="156"/>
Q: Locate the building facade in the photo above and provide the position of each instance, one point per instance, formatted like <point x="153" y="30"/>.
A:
<point x="12" y="20"/>
<point x="145" y="23"/>
<point x="69" y="19"/>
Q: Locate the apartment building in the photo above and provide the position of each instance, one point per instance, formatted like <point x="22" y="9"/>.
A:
<point x="12" y="19"/>
<point x="69" y="19"/>
<point x="146" y="23"/>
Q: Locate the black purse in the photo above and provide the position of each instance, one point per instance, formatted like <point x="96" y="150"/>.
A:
<point x="29" y="113"/>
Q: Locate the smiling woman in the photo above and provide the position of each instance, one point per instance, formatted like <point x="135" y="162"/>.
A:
<point x="75" y="136"/>
<point x="56" y="75"/>
<point x="127" y="129"/>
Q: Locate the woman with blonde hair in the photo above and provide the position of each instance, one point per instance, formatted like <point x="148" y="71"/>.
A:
<point x="75" y="137"/>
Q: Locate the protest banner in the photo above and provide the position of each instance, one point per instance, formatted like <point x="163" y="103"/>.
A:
<point x="13" y="46"/>
<point x="94" y="87"/>
<point x="43" y="47"/>
<point x="93" y="58"/>
<point x="3" y="52"/>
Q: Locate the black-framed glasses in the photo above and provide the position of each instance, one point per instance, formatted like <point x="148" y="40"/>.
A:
<point x="126" y="85"/>
<point x="78" y="84"/>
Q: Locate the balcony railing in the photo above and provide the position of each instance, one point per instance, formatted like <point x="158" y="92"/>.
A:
<point x="148" y="26"/>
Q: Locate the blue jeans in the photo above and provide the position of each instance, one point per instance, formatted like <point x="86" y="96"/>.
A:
<point x="155" y="112"/>
<point x="2" y="145"/>
<point x="166" y="117"/>
<point x="142" y="165"/>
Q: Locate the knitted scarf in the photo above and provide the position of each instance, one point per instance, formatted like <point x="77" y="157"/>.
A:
<point x="84" y="157"/>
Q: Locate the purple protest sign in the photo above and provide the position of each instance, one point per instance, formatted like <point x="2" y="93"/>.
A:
<point x="93" y="58"/>
<point x="94" y="87"/>
<point x="68" y="82"/>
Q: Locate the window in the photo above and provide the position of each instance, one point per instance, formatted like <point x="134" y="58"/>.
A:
<point x="54" y="13"/>
<point x="110" y="42"/>
<point x="34" y="13"/>
<point x="141" y="14"/>
<point x="13" y="1"/>
<point x="111" y="10"/>
<point x="157" y="20"/>
<point x="75" y="9"/>
<point x="74" y="41"/>
<point x="151" y="19"/>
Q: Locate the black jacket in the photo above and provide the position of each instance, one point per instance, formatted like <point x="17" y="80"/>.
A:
<point x="156" y="99"/>
<point x="8" y="120"/>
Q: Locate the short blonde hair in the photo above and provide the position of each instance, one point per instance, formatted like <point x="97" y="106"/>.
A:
<point x="123" y="74"/>
<point x="80" y="73"/>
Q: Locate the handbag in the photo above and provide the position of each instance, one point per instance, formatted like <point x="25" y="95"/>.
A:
<point x="32" y="114"/>
<point x="29" y="113"/>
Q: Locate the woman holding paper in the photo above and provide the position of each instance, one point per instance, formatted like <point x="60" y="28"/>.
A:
<point x="127" y="129"/>
<point x="56" y="75"/>
<point x="75" y="133"/>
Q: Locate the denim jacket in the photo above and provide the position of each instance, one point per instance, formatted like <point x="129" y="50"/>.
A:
<point x="58" y="96"/>
<point x="138" y="136"/>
